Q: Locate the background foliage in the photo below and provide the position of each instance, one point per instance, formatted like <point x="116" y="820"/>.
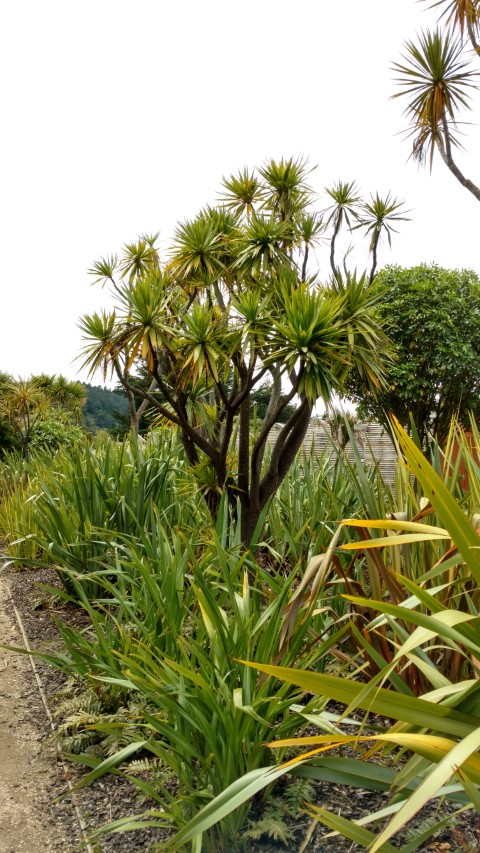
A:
<point x="104" y="409"/>
<point x="432" y="317"/>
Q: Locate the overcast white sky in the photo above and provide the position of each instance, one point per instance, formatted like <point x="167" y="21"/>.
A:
<point x="121" y="116"/>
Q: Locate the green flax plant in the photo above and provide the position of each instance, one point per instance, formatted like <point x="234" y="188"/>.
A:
<point x="142" y="593"/>
<point x="371" y="572"/>
<point x="166" y="634"/>
<point x="430" y="749"/>
<point x="434" y="631"/>
<point x="12" y="471"/>
<point x="321" y="489"/>
<point x="78" y="501"/>
<point x="18" y="494"/>
<point x="306" y="521"/>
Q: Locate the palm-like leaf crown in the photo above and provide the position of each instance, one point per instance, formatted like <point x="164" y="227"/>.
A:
<point x="377" y="216"/>
<point x="310" y="228"/>
<point x="286" y="192"/>
<point x="148" y="320"/>
<point x="99" y="351"/>
<point x="305" y="329"/>
<point x="23" y="397"/>
<point x="260" y="248"/>
<point x="139" y="258"/>
<point x="196" y="249"/>
<point x="105" y="269"/>
<point x="346" y="199"/>
<point x="364" y="333"/>
<point x="242" y="193"/>
<point x="227" y="227"/>
<point x="67" y="396"/>
<point x="464" y="14"/>
<point x="437" y="80"/>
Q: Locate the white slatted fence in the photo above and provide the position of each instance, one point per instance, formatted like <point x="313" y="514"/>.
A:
<point x="372" y="440"/>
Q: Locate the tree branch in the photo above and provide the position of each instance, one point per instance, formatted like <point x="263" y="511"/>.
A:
<point x="284" y="451"/>
<point x="305" y="261"/>
<point x="129" y="392"/>
<point x="177" y="417"/>
<point x="472" y="36"/>
<point x="260" y="443"/>
<point x="445" y="149"/>
<point x="144" y="404"/>
<point x="244" y="444"/>
<point x="246" y="391"/>
<point x="374" y="255"/>
<point x="332" y="248"/>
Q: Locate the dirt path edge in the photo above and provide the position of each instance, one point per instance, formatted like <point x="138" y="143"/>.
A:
<point x="29" y="762"/>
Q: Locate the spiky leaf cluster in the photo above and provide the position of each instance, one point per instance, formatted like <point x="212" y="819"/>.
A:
<point x="436" y="77"/>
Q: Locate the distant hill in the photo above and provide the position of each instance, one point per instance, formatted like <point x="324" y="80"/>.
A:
<point x="104" y="409"/>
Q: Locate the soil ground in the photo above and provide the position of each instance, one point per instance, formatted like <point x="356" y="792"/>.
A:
<point x="28" y="767"/>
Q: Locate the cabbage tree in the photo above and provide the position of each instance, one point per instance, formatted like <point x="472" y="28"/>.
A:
<point x="231" y="305"/>
<point x="436" y="77"/>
